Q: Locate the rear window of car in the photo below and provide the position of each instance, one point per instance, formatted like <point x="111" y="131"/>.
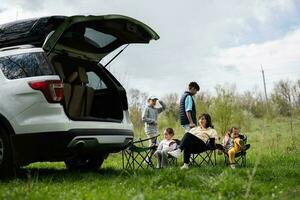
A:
<point x="98" y="38"/>
<point x="25" y="65"/>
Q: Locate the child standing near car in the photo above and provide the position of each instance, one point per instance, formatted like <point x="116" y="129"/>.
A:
<point x="165" y="146"/>
<point x="149" y="117"/>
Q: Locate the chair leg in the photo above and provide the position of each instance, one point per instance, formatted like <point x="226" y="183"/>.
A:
<point x="208" y="157"/>
<point x="244" y="160"/>
<point x="134" y="160"/>
<point x="140" y="164"/>
<point x="226" y="160"/>
<point x="215" y="157"/>
<point x="123" y="162"/>
<point x="193" y="159"/>
<point x="149" y="163"/>
<point x="131" y="160"/>
<point x="127" y="159"/>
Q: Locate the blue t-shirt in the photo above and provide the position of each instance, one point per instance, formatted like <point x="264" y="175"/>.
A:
<point x="188" y="103"/>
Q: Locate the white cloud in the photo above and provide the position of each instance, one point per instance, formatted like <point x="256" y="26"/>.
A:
<point x="280" y="59"/>
<point x="205" y="41"/>
<point x="275" y="54"/>
<point x="265" y="10"/>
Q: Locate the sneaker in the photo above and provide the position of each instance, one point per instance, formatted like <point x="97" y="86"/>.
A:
<point x="147" y="161"/>
<point x="175" y="153"/>
<point x="232" y="166"/>
<point x="184" y="166"/>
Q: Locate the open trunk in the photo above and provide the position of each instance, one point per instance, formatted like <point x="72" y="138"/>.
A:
<point x="90" y="92"/>
<point x="75" y="49"/>
<point x="75" y="46"/>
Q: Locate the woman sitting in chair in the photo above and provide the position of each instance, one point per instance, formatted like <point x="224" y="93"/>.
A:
<point x="196" y="140"/>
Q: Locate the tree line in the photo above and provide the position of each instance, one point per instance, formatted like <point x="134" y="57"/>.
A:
<point x="227" y="107"/>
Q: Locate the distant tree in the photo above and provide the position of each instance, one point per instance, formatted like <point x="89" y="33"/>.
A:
<point x="172" y="111"/>
<point x="282" y="97"/>
<point x="227" y="110"/>
<point x="137" y="101"/>
<point x="253" y="102"/>
<point x="296" y="95"/>
<point x="222" y="108"/>
<point x="203" y="102"/>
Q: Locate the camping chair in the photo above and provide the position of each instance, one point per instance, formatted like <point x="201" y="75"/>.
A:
<point x="205" y="157"/>
<point x="136" y="154"/>
<point x="240" y="157"/>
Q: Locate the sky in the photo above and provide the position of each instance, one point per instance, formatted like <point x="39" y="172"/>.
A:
<point x="208" y="41"/>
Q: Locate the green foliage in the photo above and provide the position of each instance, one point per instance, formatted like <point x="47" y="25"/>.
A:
<point x="282" y="97"/>
<point x="137" y="102"/>
<point x="225" y="111"/>
<point x="203" y="102"/>
<point x="172" y="110"/>
<point x="227" y="107"/>
<point x="253" y="103"/>
<point x="222" y="109"/>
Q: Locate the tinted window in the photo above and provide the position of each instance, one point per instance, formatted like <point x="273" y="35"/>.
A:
<point x="98" y="38"/>
<point x="95" y="81"/>
<point x="25" y="65"/>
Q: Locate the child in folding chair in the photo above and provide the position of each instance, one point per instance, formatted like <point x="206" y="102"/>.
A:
<point x="227" y="142"/>
<point x="232" y="145"/>
<point x="165" y="146"/>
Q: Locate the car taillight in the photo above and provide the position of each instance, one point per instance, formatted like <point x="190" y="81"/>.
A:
<point x="52" y="89"/>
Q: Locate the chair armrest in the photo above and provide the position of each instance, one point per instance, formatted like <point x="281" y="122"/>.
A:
<point x="211" y="143"/>
<point x="143" y="140"/>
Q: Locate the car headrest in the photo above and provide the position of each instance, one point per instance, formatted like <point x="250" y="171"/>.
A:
<point x="73" y="76"/>
<point x="82" y="75"/>
<point x="59" y="70"/>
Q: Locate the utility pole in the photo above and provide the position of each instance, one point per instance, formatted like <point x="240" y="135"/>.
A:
<point x="265" y="88"/>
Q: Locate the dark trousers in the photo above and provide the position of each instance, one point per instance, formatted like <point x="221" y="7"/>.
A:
<point x="191" y="144"/>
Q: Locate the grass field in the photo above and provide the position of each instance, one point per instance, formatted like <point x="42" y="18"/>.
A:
<point x="272" y="172"/>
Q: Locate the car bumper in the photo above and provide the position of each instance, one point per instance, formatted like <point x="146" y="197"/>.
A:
<point x="59" y="146"/>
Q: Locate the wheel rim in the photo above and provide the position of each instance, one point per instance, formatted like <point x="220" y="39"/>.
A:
<point x="1" y="150"/>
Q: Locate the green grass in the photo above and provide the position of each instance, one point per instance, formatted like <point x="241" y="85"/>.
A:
<point x="274" y="155"/>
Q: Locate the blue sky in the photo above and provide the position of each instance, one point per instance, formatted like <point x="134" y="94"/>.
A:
<point x="211" y="42"/>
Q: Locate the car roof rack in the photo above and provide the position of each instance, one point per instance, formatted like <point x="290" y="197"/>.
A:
<point x="27" y="46"/>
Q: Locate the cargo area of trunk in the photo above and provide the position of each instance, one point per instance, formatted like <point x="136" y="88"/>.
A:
<point x="90" y="93"/>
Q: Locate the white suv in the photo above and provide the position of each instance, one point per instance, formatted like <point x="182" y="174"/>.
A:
<point x="58" y="103"/>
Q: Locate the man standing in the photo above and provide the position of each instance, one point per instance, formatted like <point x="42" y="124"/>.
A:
<point x="187" y="108"/>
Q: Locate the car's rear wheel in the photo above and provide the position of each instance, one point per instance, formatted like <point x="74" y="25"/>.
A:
<point x="85" y="163"/>
<point x="6" y="156"/>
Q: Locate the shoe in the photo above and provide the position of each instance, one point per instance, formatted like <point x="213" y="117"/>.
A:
<point x="232" y="166"/>
<point x="147" y="161"/>
<point x="185" y="166"/>
<point x="175" y="153"/>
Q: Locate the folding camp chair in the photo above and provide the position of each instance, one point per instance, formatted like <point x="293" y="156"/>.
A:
<point x="137" y="155"/>
<point x="205" y="157"/>
<point x="240" y="157"/>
